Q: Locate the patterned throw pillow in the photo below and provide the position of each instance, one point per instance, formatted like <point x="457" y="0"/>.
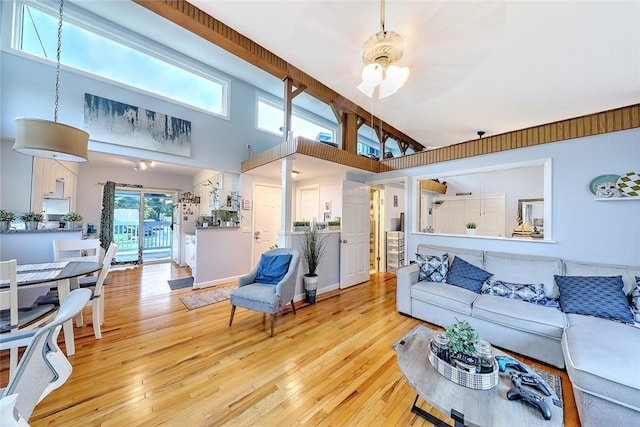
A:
<point x="433" y="268"/>
<point x="466" y="275"/>
<point x="522" y="292"/>
<point x="634" y="300"/>
<point x="597" y="296"/>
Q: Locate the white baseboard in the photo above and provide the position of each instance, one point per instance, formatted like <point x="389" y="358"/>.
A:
<point x="211" y="283"/>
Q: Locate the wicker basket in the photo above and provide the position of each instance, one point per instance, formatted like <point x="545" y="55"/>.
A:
<point x="464" y="378"/>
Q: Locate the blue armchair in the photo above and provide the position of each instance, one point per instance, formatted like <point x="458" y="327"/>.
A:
<point x="269" y="286"/>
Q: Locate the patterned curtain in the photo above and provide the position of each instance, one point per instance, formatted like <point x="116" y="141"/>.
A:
<point x="106" y="217"/>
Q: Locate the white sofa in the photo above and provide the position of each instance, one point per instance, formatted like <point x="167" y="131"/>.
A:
<point x="601" y="356"/>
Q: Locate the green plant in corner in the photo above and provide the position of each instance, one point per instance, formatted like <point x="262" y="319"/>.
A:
<point x="71" y="216"/>
<point x="32" y="216"/>
<point x="313" y="248"/>
<point x="470" y="225"/>
<point x="462" y="337"/>
<point x="7" y="216"/>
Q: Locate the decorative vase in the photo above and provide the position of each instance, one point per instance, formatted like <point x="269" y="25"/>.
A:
<point x="71" y="225"/>
<point x="4" y="226"/>
<point x="31" y="225"/>
<point x="310" y="287"/>
<point x="471" y="231"/>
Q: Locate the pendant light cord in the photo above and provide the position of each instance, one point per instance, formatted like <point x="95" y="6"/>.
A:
<point x="55" y="110"/>
<point x="382" y="16"/>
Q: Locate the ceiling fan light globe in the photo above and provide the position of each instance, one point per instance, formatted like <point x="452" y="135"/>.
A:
<point x="372" y="74"/>
<point x="371" y="77"/>
<point x="399" y="75"/>
<point x="387" y="88"/>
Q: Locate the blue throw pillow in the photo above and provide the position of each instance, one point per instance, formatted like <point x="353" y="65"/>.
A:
<point x="597" y="296"/>
<point x="433" y="268"/>
<point x="272" y="268"/>
<point x="466" y="275"/>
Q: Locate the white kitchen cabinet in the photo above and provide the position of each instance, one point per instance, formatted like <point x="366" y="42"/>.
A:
<point x="190" y="252"/>
<point x="45" y="174"/>
<point x="451" y="213"/>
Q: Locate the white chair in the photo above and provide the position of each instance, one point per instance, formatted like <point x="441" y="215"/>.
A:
<point x="83" y="250"/>
<point x="97" y="300"/>
<point x="87" y="250"/>
<point x="14" y="318"/>
<point x="43" y="366"/>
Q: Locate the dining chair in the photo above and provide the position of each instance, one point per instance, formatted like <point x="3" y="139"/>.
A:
<point x="269" y="286"/>
<point x="87" y="250"/>
<point x="43" y="366"/>
<point x="97" y="300"/>
<point x="14" y="318"/>
<point x="83" y="250"/>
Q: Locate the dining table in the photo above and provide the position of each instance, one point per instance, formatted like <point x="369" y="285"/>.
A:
<point x="63" y="274"/>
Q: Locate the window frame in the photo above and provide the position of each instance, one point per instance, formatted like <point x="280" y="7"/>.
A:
<point x="297" y="112"/>
<point x="13" y="17"/>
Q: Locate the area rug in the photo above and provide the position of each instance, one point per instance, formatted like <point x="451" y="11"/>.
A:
<point x="200" y="299"/>
<point x="186" y="282"/>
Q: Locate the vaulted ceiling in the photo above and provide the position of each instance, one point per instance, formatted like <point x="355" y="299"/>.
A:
<point x="493" y="66"/>
<point x="475" y="65"/>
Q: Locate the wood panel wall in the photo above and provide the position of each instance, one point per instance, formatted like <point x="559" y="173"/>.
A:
<point x="618" y="119"/>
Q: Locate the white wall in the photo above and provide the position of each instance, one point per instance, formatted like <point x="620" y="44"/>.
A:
<point x="583" y="229"/>
<point x="15" y="179"/>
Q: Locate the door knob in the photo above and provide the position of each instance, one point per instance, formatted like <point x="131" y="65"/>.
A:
<point x="344" y="241"/>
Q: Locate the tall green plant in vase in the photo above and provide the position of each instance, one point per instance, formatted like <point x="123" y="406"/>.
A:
<point x="313" y="249"/>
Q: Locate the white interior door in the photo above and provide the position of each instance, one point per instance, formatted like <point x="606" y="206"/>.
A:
<point x="355" y="233"/>
<point x="266" y="218"/>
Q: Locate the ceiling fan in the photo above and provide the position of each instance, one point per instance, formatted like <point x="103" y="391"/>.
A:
<point x="379" y="55"/>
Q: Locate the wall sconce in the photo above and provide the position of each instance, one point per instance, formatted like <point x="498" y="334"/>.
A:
<point x="294" y="174"/>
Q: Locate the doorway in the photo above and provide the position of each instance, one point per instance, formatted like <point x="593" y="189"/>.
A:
<point x="266" y="218"/>
<point x="376" y="240"/>
<point x="142" y="225"/>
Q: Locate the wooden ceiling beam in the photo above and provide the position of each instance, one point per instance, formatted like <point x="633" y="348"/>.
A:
<point x="192" y="19"/>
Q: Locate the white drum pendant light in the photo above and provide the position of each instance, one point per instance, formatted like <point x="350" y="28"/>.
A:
<point x="44" y="138"/>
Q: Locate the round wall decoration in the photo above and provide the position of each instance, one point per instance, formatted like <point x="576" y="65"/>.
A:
<point x="629" y="184"/>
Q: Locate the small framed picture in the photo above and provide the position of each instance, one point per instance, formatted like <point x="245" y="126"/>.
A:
<point x="196" y="199"/>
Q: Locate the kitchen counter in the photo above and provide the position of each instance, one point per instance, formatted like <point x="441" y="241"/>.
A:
<point x="31" y="247"/>
<point x="51" y="230"/>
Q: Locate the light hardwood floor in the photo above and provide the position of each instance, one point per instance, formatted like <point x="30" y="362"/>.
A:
<point x="157" y="363"/>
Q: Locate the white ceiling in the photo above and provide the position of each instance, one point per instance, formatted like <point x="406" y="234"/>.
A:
<point x="494" y="66"/>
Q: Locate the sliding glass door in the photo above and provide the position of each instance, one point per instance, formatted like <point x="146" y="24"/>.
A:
<point x="142" y="225"/>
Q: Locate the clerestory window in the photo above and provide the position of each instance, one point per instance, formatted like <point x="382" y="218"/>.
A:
<point x="270" y="118"/>
<point x="93" y="51"/>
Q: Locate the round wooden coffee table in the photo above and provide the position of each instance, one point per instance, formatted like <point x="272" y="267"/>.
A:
<point x="468" y="407"/>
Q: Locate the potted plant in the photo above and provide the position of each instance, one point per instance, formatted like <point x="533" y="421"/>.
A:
<point x="313" y="248"/>
<point x="300" y="225"/>
<point x="31" y="220"/>
<point x="462" y="344"/>
<point x="224" y="216"/>
<point x="471" y="228"/>
<point x="334" y="224"/>
<point x="72" y="219"/>
<point x="5" y="219"/>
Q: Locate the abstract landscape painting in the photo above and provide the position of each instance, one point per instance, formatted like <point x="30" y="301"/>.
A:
<point x="122" y="124"/>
